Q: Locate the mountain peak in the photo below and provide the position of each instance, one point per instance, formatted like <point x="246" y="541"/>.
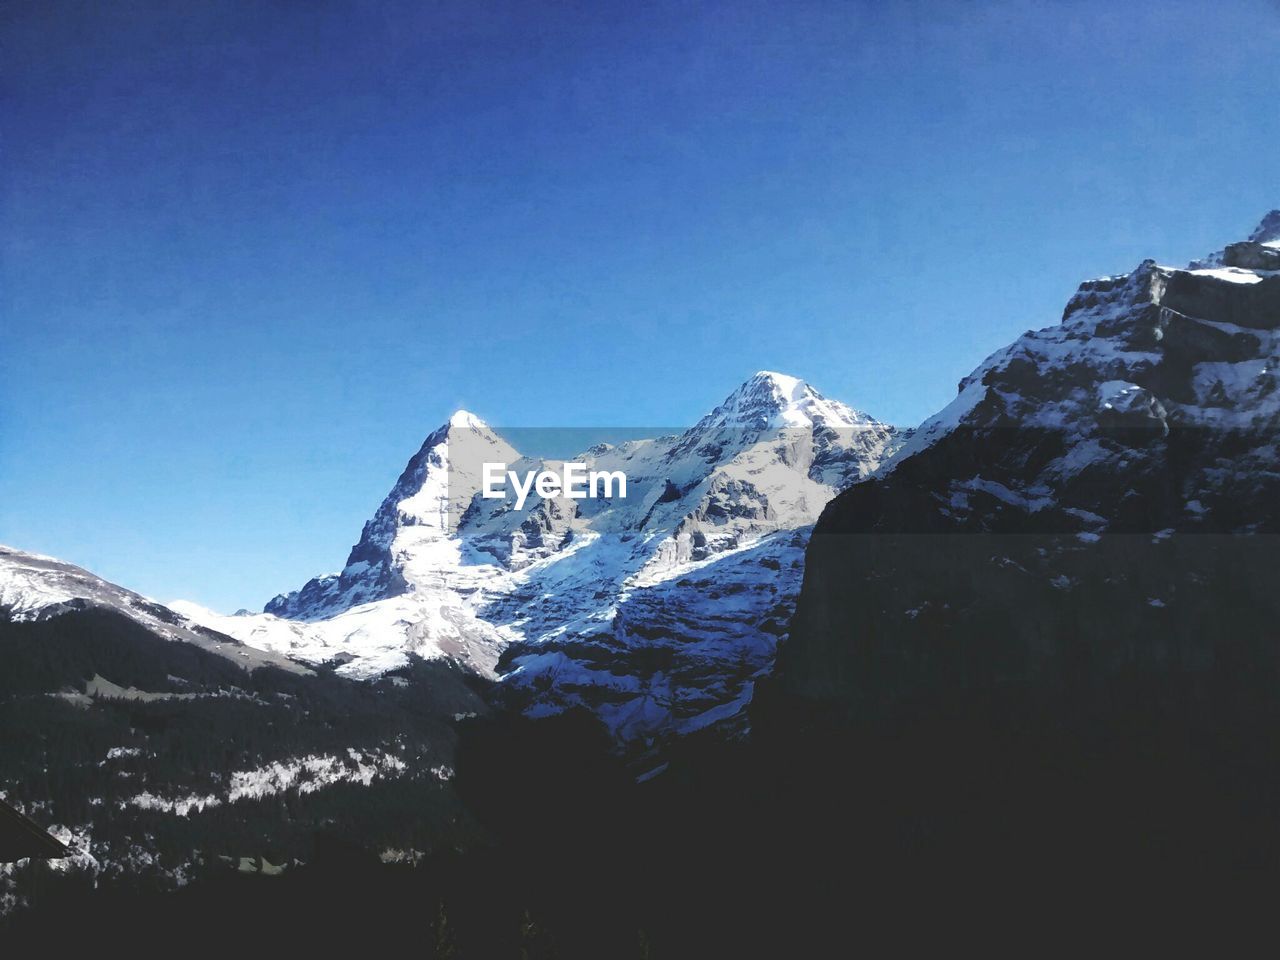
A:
<point x="463" y="426"/>
<point x="467" y="420"/>
<point x="766" y="388"/>
<point x="768" y="399"/>
<point x="787" y="384"/>
<point x="1268" y="230"/>
<point x="1259" y="252"/>
<point x="764" y="393"/>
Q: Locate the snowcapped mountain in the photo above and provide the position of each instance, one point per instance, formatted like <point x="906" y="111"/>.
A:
<point x="410" y="585"/>
<point x="35" y="587"/>
<point x="154" y="746"/>
<point x="674" y="601"/>
<point x="406" y="543"/>
<point x="654" y="610"/>
<point x="1114" y="478"/>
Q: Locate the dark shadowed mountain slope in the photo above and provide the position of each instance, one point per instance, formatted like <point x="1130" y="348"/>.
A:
<point x="159" y="751"/>
<point x="1035" y="667"/>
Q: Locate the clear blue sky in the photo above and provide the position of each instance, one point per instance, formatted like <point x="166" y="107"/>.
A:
<point x="254" y="252"/>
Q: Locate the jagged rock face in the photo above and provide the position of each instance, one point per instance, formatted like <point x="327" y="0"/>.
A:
<point x="654" y="610"/>
<point x="1094" y="509"/>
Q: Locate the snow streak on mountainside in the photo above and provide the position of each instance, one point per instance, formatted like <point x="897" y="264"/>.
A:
<point x="655" y="610"/>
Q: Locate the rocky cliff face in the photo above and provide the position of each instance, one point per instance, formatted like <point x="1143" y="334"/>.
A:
<point x="1091" y="520"/>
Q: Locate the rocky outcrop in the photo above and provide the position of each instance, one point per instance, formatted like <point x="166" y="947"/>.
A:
<point x="1090" y="523"/>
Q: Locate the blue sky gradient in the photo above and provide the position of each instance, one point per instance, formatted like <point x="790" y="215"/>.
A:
<point x="252" y="253"/>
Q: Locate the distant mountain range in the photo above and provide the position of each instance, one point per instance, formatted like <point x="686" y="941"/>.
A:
<point x="655" y="611"/>
<point x="1089" y="523"/>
